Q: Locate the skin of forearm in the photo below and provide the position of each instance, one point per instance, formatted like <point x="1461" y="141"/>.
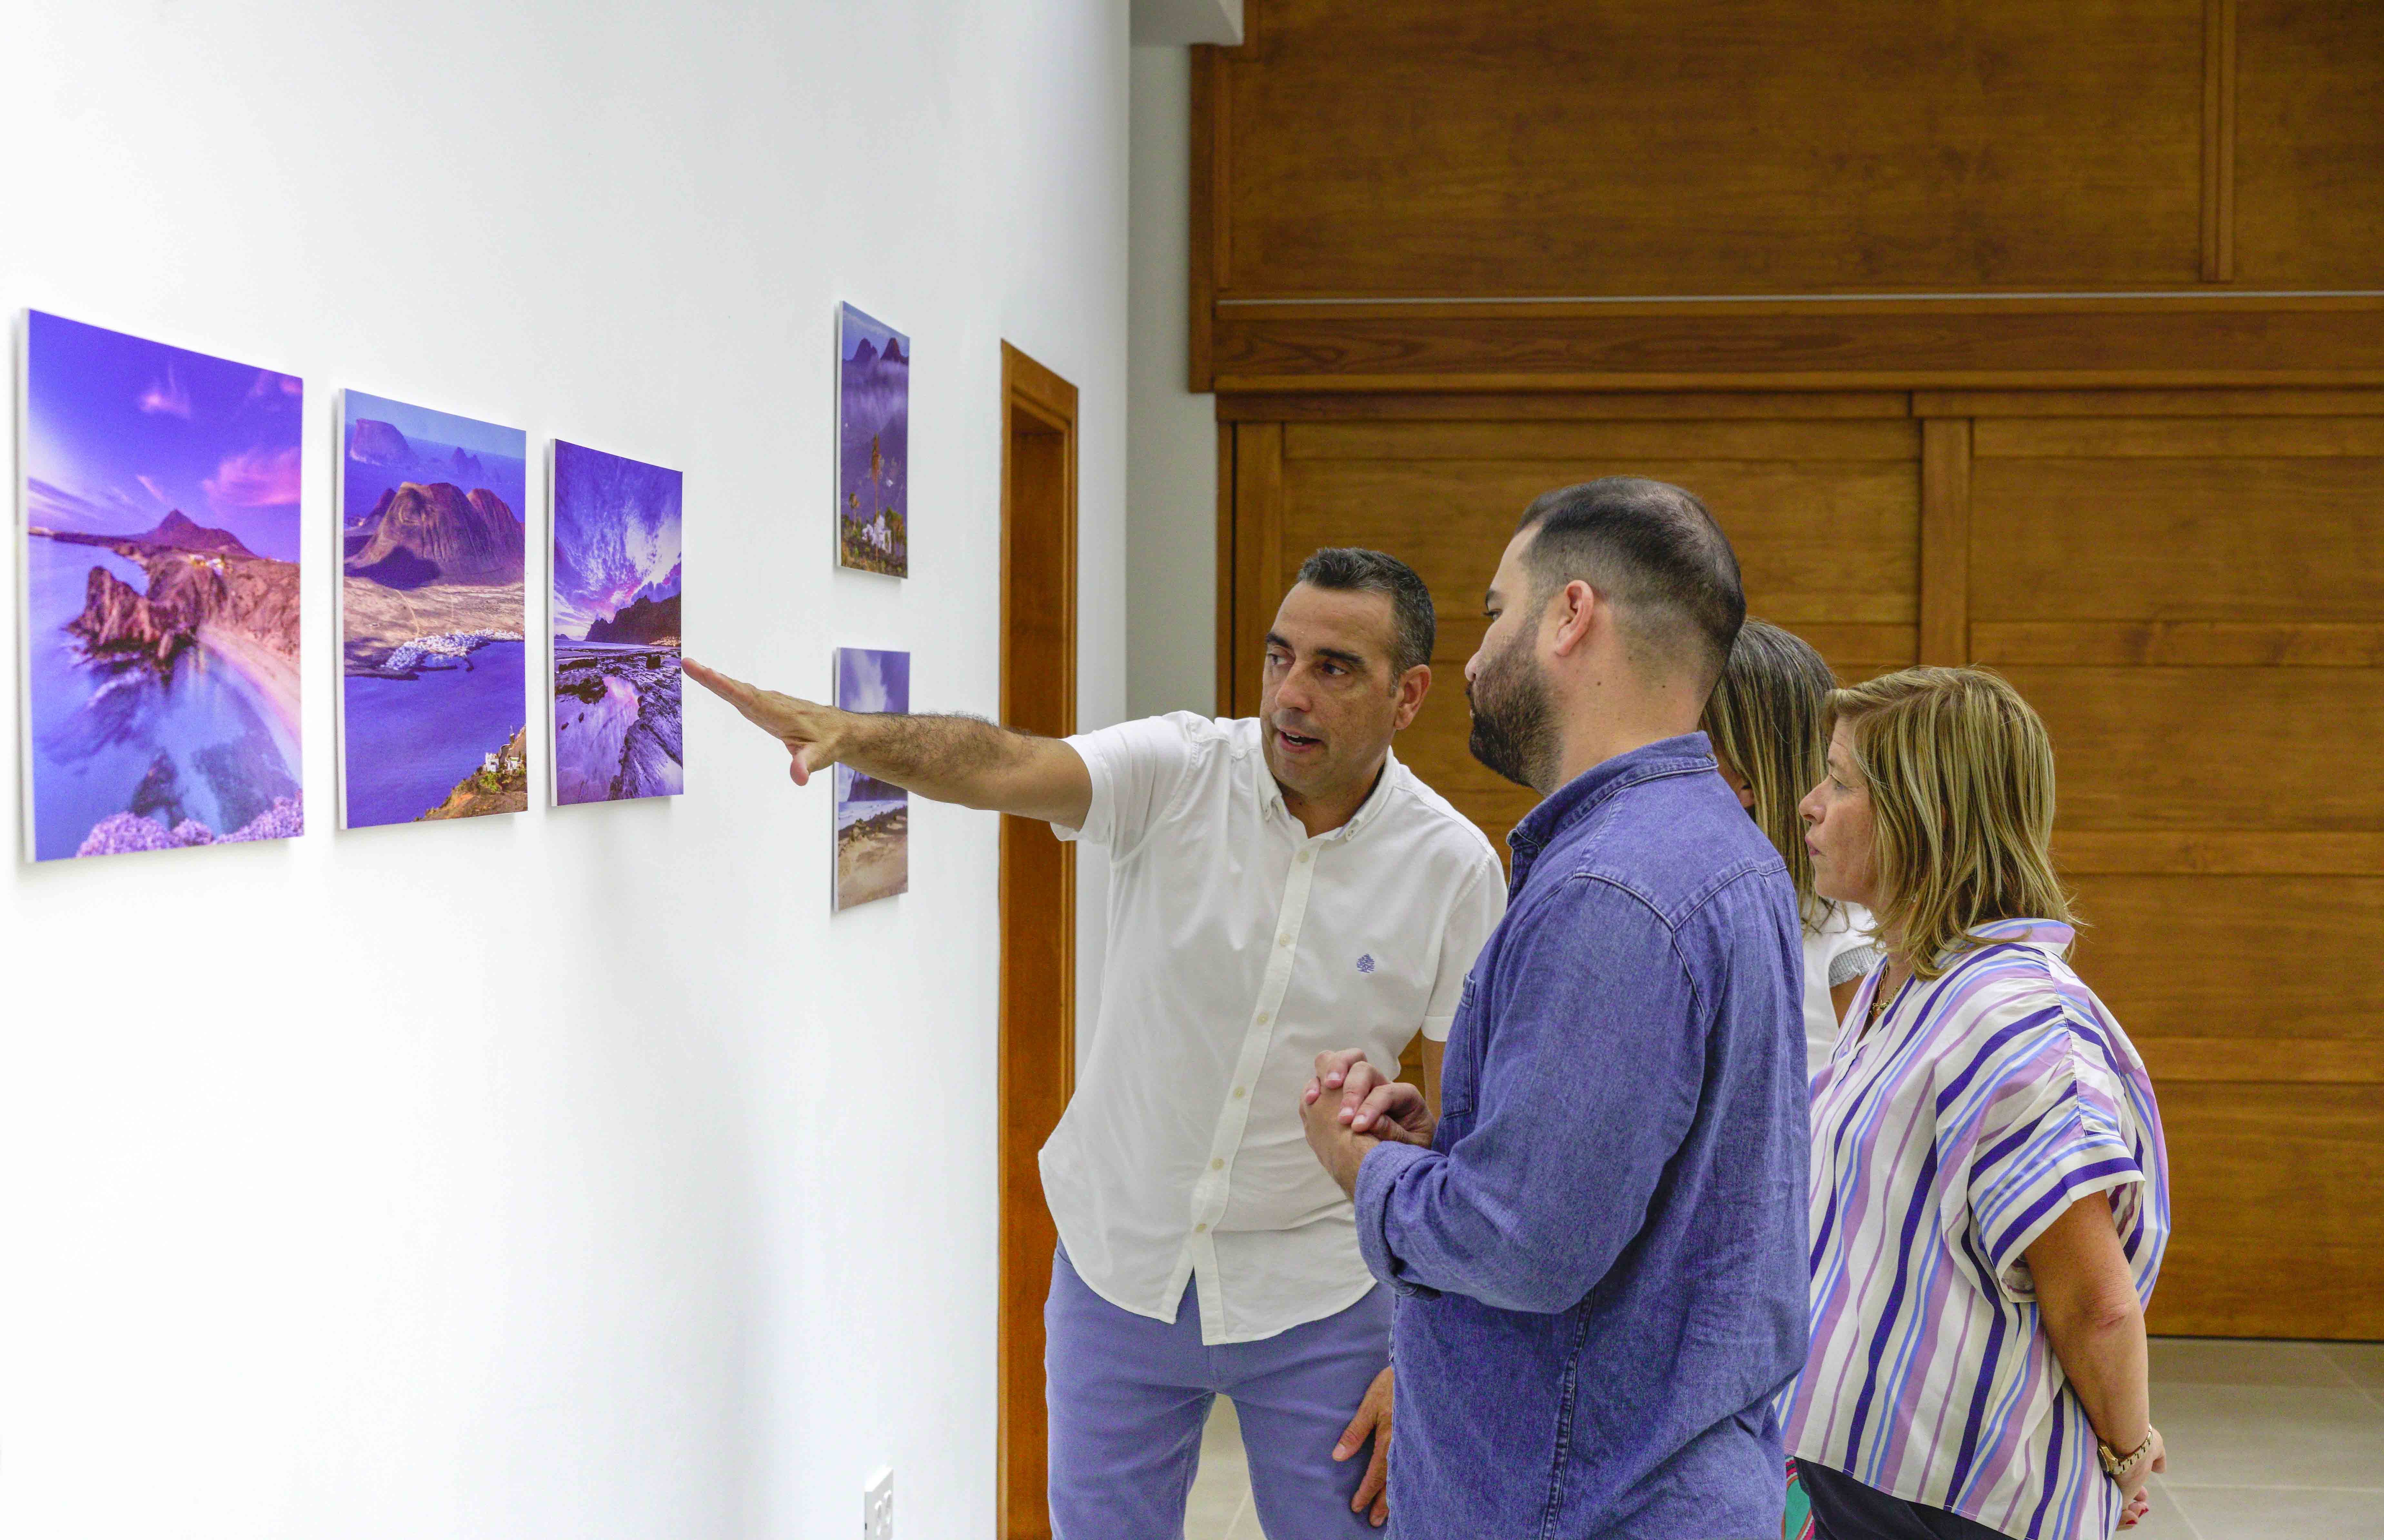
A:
<point x="2100" y="1341"/>
<point x="949" y="759"/>
<point x="2086" y="1300"/>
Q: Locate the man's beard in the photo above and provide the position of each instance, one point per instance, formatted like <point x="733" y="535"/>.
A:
<point x="1514" y="730"/>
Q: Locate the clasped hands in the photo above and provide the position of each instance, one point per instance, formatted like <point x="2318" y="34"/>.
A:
<point x="1371" y="1107"/>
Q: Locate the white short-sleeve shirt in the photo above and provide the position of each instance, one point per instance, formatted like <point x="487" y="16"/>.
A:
<point x="1239" y="949"/>
<point x="1839" y="952"/>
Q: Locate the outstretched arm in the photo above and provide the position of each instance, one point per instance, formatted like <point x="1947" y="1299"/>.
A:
<point x="949" y="759"/>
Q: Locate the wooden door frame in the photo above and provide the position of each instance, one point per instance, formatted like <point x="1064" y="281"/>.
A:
<point x="1039" y="915"/>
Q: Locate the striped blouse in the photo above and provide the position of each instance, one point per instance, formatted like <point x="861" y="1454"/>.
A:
<point x="1945" y="1140"/>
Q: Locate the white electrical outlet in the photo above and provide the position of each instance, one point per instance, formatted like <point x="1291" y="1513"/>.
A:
<point x="878" y="1506"/>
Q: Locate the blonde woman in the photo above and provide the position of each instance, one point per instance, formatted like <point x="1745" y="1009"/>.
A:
<point x="1990" y="1193"/>
<point x="1765" y="723"/>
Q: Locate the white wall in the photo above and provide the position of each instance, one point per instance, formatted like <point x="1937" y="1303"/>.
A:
<point x="574" y="1173"/>
<point x="1171" y="463"/>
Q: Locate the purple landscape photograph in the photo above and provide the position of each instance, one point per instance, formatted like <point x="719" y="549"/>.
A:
<point x="432" y="721"/>
<point x="616" y="628"/>
<point x="162" y="546"/>
<point x="873" y="474"/>
<point x="873" y="818"/>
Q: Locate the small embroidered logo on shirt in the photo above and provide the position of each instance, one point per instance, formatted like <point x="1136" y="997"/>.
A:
<point x="1366" y="963"/>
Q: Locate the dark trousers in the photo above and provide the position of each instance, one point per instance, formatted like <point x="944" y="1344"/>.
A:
<point x="1843" y="1508"/>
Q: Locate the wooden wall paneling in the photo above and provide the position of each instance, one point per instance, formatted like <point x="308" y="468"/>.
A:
<point x="2177" y="643"/>
<point x="2247" y="958"/>
<point x="2153" y="748"/>
<point x="1407" y="148"/>
<point x="2210" y="337"/>
<point x="1999" y="404"/>
<point x="1946" y="540"/>
<point x="2224" y="852"/>
<point x="1260" y="581"/>
<point x="1510" y="406"/>
<point x="2309" y="201"/>
<point x="2217" y="141"/>
<point x="2275" y="1225"/>
<point x="2280" y="539"/>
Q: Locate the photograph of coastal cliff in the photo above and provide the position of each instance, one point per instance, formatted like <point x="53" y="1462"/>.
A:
<point x="616" y="628"/>
<point x="162" y="549"/>
<point x="873" y="817"/>
<point x="873" y="479"/>
<point x="432" y="719"/>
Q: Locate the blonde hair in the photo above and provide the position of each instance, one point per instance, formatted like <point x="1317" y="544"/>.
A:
<point x="1765" y="720"/>
<point x="1960" y="772"/>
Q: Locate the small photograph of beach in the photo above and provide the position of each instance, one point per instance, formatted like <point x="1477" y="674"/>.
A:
<point x="432" y="723"/>
<point x="616" y="628"/>
<point x="872" y="482"/>
<point x="161" y="560"/>
<point x="873" y="818"/>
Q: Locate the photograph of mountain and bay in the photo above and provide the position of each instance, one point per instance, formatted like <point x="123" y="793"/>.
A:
<point x="873" y="817"/>
<point x="432" y="720"/>
<point x="616" y="594"/>
<point x="161" y="627"/>
<point x="873" y="476"/>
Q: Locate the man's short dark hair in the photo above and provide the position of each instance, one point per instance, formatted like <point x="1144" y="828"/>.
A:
<point x="1652" y="549"/>
<point x="1349" y="569"/>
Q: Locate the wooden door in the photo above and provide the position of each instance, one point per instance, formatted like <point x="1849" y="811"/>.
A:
<point x="1038" y="905"/>
<point x="2188" y="584"/>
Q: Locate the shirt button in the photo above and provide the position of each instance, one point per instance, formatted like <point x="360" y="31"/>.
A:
<point x="1217" y="1165"/>
<point x="1198" y="1228"/>
<point x="1304" y="855"/>
<point x="1283" y="941"/>
<point x="1262" y="1019"/>
<point x="1239" y="1092"/>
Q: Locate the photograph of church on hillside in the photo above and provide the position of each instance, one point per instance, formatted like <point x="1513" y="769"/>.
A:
<point x="873" y="481"/>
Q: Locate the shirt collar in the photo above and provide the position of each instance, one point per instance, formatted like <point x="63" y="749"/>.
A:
<point x="2050" y="934"/>
<point x="1581" y="796"/>
<point x="1270" y="796"/>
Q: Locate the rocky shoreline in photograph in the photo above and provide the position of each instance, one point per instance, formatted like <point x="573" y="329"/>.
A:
<point x="617" y="727"/>
<point x="206" y="589"/>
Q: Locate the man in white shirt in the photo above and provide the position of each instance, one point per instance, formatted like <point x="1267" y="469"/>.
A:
<point x="1281" y="886"/>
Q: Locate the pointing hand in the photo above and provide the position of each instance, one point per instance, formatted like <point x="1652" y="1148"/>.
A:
<point x="813" y="734"/>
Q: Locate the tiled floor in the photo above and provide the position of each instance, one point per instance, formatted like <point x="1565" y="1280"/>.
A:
<point x="2266" y="1441"/>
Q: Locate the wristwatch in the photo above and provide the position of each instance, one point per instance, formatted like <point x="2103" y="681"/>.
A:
<point x="2120" y="1467"/>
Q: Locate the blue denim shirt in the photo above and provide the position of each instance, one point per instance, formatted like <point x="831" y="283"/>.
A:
<point x="1602" y="1257"/>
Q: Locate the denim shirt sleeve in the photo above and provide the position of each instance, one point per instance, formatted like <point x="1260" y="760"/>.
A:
<point x="1593" y="1062"/>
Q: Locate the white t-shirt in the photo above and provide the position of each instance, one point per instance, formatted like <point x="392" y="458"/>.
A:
<point x="1831" y="957"/>
<point x="1239" y="949"/>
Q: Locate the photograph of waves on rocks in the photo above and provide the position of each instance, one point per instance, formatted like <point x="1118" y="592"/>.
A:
<point x="433" y="719"/>
<point x="616" y="628"/>
<point x="873" y="817"/>
<point x="162" y="546"/>
<point x="872" y="478"/>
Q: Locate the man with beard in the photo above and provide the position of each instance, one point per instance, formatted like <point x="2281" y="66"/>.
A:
<point x="1279" y="885"/>
<point x="1601" y="1243"/>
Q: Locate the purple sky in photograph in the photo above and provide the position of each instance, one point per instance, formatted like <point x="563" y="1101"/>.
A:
<point x="615" y="533"/>
<point x="121" y="431"/>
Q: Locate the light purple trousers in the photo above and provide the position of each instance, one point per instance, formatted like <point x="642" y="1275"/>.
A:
<point x="1128" y="1397"/>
